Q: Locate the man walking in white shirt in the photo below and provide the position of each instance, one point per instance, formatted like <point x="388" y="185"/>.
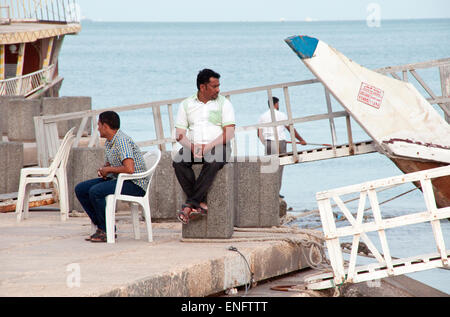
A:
<point x="266" y="134"/>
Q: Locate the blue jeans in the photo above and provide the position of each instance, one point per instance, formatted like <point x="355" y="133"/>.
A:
<point x="92" y="196"/>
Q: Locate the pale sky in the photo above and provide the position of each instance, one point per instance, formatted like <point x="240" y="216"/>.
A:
<point x="260" y="10"/>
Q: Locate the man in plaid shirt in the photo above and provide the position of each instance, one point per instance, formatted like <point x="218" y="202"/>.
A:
<point x="122" y="155"/>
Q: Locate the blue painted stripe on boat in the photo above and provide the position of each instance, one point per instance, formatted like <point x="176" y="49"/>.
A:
<point x="304" y="46"/>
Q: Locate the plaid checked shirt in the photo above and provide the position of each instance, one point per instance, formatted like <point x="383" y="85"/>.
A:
<point x="122" y="147"/>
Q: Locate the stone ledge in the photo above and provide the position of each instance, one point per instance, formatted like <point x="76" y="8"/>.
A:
<point x="219" y="274"/>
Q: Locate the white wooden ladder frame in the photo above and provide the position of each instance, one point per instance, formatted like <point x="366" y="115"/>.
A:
<point x="385" y="265"/>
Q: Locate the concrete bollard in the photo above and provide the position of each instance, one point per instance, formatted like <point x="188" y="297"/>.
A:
<point x="219" y="221"/>
<point x="58" y="105"/>
<point x="165" y="192"/>
<point x="165" y="197"/>
<point x="17" y="120"/>
<point x="4" y="104"/>
<point x="244" y="194"/>
<point x="20" y="113"/>
<point x="82" y="165"/>
<point x="257" y="192"/>
<point x="11" y="162"/>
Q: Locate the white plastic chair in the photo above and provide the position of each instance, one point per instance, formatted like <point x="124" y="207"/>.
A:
<point x="151" y="159"/>
<point x="55" y="173"/>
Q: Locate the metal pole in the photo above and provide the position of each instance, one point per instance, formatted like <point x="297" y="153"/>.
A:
<point x="405" y="75"/>
<point x="272" y="114"/>
<point x="444" y="72"/>
<point x="12" y="8"/>
<point x="24" y="9"/>
<point x="46" y="9"/>
<point x="291" y="125"/>
<point x="158" y="126"/>
<point x="42" y="12"/>
<point x="53" y="11"/>
<point x="351" y="147"/>
<point x="234" y="142"/>
<point x="64" y="11"/>
<point x="171" y="123"/>
<point x="75" y="11"/>
<point x="331" y="120"/>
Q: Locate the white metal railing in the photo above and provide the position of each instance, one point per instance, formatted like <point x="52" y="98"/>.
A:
<point x="385" y="265"/>
<point x="66" y="11"/>
<point x="27" y="84"/>
<point x="444" y="71"/>
<point x="46" y="129"/>
<point x="44" y="123"/>
<point x="4" y="15"/>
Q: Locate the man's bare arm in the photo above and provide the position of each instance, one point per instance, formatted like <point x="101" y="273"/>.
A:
<point x="297" y="136"/>
<point x="126" y="167"/>
<point x="260" y="135"/>
<point x="225" y="137"/>
<point x="182" y="138"/>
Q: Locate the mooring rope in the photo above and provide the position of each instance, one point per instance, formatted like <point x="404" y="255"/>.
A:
<point x="314" y="242"/>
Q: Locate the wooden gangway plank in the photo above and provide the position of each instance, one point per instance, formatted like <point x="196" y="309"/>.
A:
<point x="329" y="152"/>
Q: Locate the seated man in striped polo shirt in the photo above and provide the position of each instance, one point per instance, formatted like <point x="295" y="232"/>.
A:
<point x="122" y="155"/>
<point x="204" y="126"/>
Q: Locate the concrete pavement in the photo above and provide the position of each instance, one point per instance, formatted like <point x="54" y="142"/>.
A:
<point x="42" y="256"/>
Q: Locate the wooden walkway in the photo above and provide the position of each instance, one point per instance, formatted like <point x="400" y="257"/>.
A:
<point x="324" y="153"/>
<point x="293" y="285"/>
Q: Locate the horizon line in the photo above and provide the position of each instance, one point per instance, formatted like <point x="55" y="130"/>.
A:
<point x="257" y="21"/>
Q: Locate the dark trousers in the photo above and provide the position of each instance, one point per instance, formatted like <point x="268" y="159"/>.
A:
<point x="271" y="147"/>
<point x="92" y="196"/>
<point x="196" y="189"/>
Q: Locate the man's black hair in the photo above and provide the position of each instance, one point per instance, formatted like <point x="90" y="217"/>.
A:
<point x="111" y="118"/>
<point x="204" y="75"/>
<point x="274" y="99"/>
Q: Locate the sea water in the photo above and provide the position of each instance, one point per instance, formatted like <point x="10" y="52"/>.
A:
<point x="121" y="64"/>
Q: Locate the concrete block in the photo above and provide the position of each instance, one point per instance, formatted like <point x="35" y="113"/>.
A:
<point x="165" y="192"/>
<point x="4" y="104"/>
<point x="165" y="196"/>
<point x="58" y="105"/>
<point x="17" y="121"/>
<point x="82" y="165"/>
<point x="11" y="162"/>
<point x="257" y="193"/>
<point x="20" y="119"/>
<point x="219" y="222"/>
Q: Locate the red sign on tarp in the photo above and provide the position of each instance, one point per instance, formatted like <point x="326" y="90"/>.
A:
<point x="370" y="95"/>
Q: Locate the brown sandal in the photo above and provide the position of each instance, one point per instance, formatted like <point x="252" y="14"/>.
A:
<point x="203" y="210"/>
<point x="93" y="235"/>
<point x="184" y="216"/>
<point x="199" y="212"/>
<point x="100" y="237"/>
